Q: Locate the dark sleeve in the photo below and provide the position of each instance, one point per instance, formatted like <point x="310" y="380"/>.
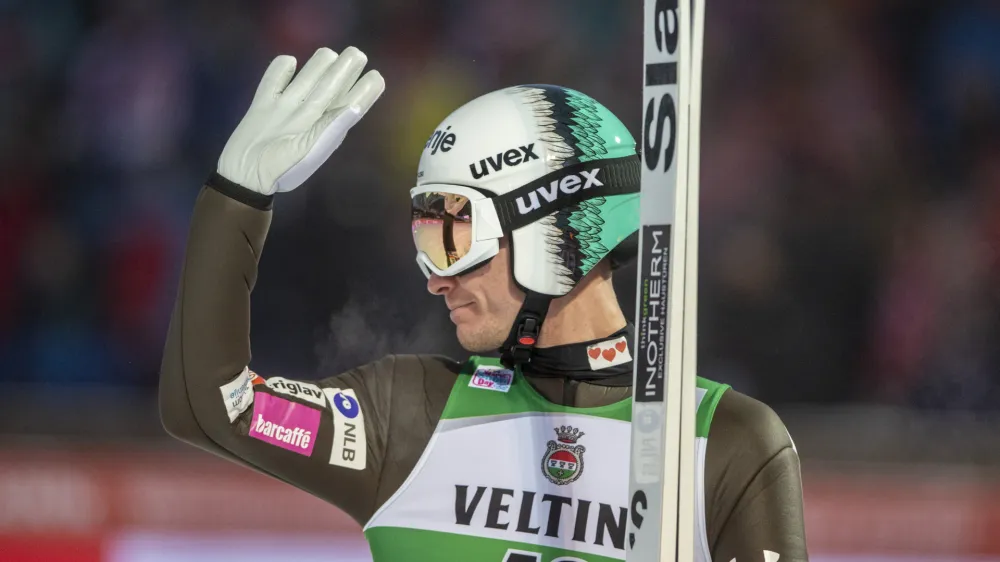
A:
<point x="327" y="437"/>
<point x="753" y="485"/>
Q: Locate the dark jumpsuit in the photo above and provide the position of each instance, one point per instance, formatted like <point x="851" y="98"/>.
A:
<point x="753" y="491"/>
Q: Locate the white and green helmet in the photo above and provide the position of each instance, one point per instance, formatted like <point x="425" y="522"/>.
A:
<point x="548" y="167"/>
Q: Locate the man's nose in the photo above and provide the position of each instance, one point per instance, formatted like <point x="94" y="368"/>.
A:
<point x="438" y="285"/>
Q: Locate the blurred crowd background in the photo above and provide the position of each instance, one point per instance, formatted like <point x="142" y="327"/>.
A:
<point x="850" y="250"/>
<point x="851" y="182"/>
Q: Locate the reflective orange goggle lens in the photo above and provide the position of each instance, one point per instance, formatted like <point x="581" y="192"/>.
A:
<point x="442" y="226"/>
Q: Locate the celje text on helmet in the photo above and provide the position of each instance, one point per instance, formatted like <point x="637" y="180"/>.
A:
<point x="442" y="140"/>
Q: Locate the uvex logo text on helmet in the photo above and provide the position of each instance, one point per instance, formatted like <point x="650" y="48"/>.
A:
<point x="509" y="158"/>
<point x="442" y="140"/>
<point x="567" y="184"/>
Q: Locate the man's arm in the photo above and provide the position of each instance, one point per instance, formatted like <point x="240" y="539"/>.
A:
<point x="203" y="398"/>
<point x="309" y="434"/>
<point x="327" y="438"/>
<point x="753" y="490"/>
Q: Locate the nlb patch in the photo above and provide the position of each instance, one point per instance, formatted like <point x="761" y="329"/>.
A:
<point x="350" y="445"/>
<point x="346" y="405"/>
<point x="237" y="394"/>
<point x="492" y="378"/>
<point x="608" y="353"/>
<point x="286" y="424"/>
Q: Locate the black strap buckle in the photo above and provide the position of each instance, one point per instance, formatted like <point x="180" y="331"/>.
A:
<point x="527" y="336"/>
<point x="517" y="348"/>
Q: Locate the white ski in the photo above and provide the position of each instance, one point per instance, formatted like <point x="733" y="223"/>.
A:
<point x="661" y="478"/>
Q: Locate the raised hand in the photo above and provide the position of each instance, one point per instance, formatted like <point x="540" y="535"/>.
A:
<point x="293" y="126"/>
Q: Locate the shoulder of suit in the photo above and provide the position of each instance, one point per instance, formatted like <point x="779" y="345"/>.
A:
<point x="394" y="370"/>
<point x="745" y="423"/>
<point x="411" y="371"/>
<point x="429" y="364"/>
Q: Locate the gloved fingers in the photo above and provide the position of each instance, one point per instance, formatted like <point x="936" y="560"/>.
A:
<point x="338" y="78"/>
<point x="365" y="93"/>
<point x="336" y="121"/>
<point x="310" y="75"/>
<point x="316" y="146"/>
<point x="332" y="123"/>
<point x="275" y="78"/>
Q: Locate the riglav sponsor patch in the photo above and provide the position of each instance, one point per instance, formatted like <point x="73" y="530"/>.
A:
<point x="304" y="390"/>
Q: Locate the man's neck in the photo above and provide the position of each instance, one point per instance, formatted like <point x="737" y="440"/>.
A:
<point x="587" y="313"/>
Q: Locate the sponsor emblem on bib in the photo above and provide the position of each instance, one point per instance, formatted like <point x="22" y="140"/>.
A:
<point x="492" y="378"/>
<point x="563" y="460"/>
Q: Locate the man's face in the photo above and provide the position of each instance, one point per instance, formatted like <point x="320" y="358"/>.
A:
<point x="483" y="303"/>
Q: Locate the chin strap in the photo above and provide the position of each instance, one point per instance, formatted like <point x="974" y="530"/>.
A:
<point x="524" y="333"/>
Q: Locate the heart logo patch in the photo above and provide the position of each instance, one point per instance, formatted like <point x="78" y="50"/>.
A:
<point x="608" y="353"/>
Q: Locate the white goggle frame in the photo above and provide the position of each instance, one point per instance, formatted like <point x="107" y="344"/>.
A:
<point x="486" y="230"/>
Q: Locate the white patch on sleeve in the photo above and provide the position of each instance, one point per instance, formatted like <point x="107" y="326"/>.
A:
<point x="238" y="394"/>
<point x="350" y="447"/>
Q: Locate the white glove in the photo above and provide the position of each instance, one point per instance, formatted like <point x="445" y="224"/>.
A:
<point x="291" y="129"/>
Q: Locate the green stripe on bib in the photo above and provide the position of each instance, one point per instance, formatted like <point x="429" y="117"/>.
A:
<point x="424" y="546"/>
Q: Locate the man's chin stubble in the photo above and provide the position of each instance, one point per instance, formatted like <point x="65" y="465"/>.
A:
<point x="479" y="342"/>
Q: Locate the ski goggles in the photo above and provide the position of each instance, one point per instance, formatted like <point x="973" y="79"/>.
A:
<point x="457" y="228"/>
